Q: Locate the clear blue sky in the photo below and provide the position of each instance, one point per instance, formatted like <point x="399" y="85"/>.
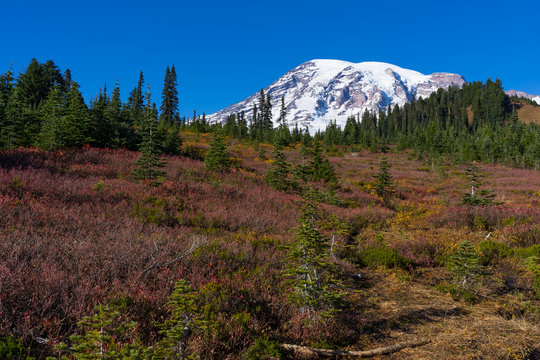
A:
<point x="226" y="50"/>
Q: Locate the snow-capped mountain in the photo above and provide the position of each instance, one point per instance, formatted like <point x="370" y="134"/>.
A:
<point x="522" y="94"/>
<point x="319" y="91"/>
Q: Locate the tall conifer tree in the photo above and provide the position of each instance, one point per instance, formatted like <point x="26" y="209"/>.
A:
<point x="150" y="161"/>
<point x="169" y="97"/>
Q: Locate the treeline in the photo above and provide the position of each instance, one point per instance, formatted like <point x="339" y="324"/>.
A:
<point x="476" y="122"/>
<point x="43" y="107"/>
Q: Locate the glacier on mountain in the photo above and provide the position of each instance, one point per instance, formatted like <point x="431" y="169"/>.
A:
<point x="320" y="91"/>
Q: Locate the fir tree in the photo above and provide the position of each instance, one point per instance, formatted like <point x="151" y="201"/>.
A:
<point x="278" y="176"/>
<point x="477" y="196"/>
<point x="107" y="336"/>
<point x="52" y="132"/>
<point x="320" y="167"/>
<point x="149" y="161"/>
<point x="464" y="263"/>
<point x="384" y="187"/>
<point x="36" y="82"/>
<point x="113" y="115"/>
<point x="76" y="120"/>
<point x="169" y="97"/>
<point x="101" y="130"/>
<point x="172" y="143"/>
<point x="13" y="132"/>
<point x="315" y="287"/>
<point x="6" y="87"/>
<point x="136" y="102"/>
<point x="185" y="319"/>
<point x="217" y="158"/>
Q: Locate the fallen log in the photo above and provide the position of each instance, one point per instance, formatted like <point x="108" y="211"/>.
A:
<point x="304" y="350"/>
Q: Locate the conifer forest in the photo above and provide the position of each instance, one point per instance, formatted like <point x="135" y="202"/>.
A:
<point x="128" y="231"/>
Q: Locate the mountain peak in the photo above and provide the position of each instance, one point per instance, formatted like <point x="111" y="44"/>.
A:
<point x="322" y="90"/>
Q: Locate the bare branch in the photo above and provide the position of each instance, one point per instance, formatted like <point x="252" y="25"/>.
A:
<point x="304" y="350"/>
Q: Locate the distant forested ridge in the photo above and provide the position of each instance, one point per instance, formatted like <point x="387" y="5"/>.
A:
<point x="43" y="107"/>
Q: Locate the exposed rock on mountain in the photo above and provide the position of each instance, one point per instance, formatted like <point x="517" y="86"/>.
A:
<point x="319" y="91"/>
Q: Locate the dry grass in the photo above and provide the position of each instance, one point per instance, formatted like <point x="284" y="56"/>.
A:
<point x="529" y="113"/>
<point x="412" y="310"/>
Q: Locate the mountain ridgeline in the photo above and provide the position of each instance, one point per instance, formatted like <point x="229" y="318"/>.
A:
<point x="435" y="115"/>
<point x="318" y="91"/>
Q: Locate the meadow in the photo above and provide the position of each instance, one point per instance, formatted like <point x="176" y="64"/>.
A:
<point x="77" y="231"/>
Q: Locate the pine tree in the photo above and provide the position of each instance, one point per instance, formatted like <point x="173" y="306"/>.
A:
<point x="149" y="161"/>
<point x="6" y="87"/>
<point x="113" y="114"/>
<point x="36" y="82"/>
<point x="169" y="97"/>
<point x="185" y="319"/>
<point x="278" y="176"/>
<point x="384" y="187"/>
<point x="100" y="129"/>
<point x="52" y="133"/>
<point x="173" y="141"/>
<point x="464" y="264"/>
<point x="13" y="132"/>
<point x="320" y="167"/>
<point x="315" y="288"/>
<point x="217" y="158"/>
<point x="107" y="336"/>
<point x="477" y="196"/>
<point x="136" y="102"/>
<point x="76" y="120"/>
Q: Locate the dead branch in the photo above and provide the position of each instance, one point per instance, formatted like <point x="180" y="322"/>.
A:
<point x="304" y="350"/>
<point x="196" y="242"/>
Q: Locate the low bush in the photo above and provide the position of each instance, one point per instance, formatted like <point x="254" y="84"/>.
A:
<point x="263" y="349"/>
<point x="12" y="349"/>
<point x="492" y="251"/>
<point x="382" y="255"/>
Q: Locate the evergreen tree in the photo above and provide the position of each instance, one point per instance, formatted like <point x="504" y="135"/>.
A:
<point x="52" y="132"/>
<point x="217" y="158"/>
<point x="136" y="102"/>
<point x="36" y="82"/>
<point x="6" y="87"/>
<point x="384" y="187"/>
<point x="13" y="133"/>
<point x="185" y="319"/>
<point x="172" y="143"/>
<point x="76" y="120"/>
<point x="309" y="269"/>
<point x="169" y="97"/>
<point x="119" y="128"/>
<point x="100" y="129"/>
<point x="320" y="167"/>
<point x="149" y="161"/>
<point x="464" y="263"/>
<point x="278" y="176"/>
<point x="477" y="196"/>
<point x="107" y="336"/>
